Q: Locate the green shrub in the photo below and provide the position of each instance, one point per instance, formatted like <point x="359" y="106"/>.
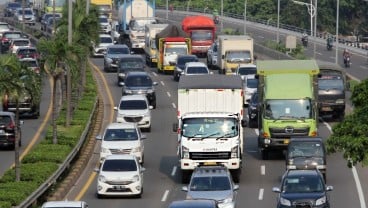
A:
<point x="11" y="196"/>
<point x="5" y="204"/>
<point x="48" y="153"/>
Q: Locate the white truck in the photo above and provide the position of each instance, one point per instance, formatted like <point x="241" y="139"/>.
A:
<point x="210" y="121"/>
<point x="130" y="9"/>
<point x="150" y="48"/>
<point x="232" y="51"/>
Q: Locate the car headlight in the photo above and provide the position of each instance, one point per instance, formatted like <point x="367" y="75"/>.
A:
<point x="340" y="101"/>
<point x="121" y="74"/>
<point x="321" y="201"/>
<point x="227" y="200"/>
<point x="234" y="152"/>
<point x="135" y="178"/>
<point x="136" y="149"/>
<point x="105" y="150"/>
<point x="285" y="202"/>
<point x="150" y="91"/>
<point x="126" y="91"/>
<point x="101" y="178"/>
<point x="185" y="152"/>
<point x="147" y="114"/>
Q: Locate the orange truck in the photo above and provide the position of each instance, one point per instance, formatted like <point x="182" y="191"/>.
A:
<point x="201" y="30"/>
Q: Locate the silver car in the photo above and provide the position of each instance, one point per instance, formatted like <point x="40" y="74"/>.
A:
<point x="25" y="15"/>
<point x="212" y="182"/>
<point x="113" y="55"/>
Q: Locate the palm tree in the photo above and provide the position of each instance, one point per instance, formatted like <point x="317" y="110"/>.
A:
<point x="16" y="80"/>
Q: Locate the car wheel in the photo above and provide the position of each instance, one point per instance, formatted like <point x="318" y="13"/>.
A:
<point x="99" y="196"/>
<point x="252" y="123"/>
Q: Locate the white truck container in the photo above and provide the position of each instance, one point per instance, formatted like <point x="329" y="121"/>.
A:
<point x="136" y="9"/>
<point x="232" y="51"/>
<point x="150" y="48"/>
<point x="210" y="121"/>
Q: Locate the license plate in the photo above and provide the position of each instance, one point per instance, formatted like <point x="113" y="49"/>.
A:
<point x="154" y="60"/>
<point x="119" y="187"/>
<point x="209" y="163"/>
<point x="286" y="141"/>
<point x="326" y="109"/>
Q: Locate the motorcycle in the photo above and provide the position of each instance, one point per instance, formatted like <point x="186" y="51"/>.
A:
<point x="329" y="46"/>
<point x="216" y="19"/>
<point x="305" y="41"/>
<point x="347" y="61"/>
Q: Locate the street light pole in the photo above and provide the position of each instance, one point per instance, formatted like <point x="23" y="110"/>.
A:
<point x="278" y="22"/>
<point x="337" y="31"/>
<point x="311" y="10"/>
<point x="167" y="9"/>
<point x="222" y="16"/>
<point x="315" y="29"/>
<point x="245" y="17"/>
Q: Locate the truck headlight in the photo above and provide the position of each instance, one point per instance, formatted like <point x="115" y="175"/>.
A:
<point x="185" y="152"/>
<point x="340" y="101"/>
<point x="234" y="152"/>
<point x="285" y="202"/>
<point x="136" y="149"/>
<point x="321" y="201"/>
<point x="121" y="74"/>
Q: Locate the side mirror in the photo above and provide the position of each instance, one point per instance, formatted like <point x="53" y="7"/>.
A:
<point x="276" y="190"/>
<point x="222" y="56"/>
<point x="143" y="169"/>
<point x="150" y="107"/>
<point x="184" y="188"/>
<point x="97" y="170"/>
<point x="329" y="188"/>
<point x="21" y="122"/>
<point x="155" y="83"/>
<point x="236" y="187"/>
<point x="143" y="136"/>
<point x="115" y="108"/>
<point x="211" y="72"/>
<point x="98" y="137"/>
<point x="121" y="83"/>
<point x="175" y="127"/>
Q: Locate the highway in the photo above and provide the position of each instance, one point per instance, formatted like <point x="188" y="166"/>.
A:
<point x="162" y="177"/>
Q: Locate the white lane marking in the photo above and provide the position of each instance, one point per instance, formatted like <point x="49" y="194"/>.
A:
<point x="154" y="74"/>
<point x="173" y="171"/>
<point x="359" y="188"/>
<point x="318" y="53"/>
<point x="164" y="197"/>
<point x="163" y="84"/>
<point x="260" y="194"/>
<point x="260" y="36"/>
<point x="332" y="57"/>
<point x="364" y="67"/>
<point x="173" y="104"/>
<point x="168" y="94"/>
<point x="356" y="179"/>
<point x="263" y="170"/>
<point x="256" y="131"/>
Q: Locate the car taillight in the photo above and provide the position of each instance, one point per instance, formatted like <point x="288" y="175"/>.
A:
<point x="37" y="70"/>
<point x="4" y="40"/>
<point x="10" y="126"/>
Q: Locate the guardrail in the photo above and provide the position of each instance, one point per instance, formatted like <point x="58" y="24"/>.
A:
<point x="270" y="22"/>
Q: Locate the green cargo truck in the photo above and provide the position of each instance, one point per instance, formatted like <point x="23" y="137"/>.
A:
<point x="288" y="102"/>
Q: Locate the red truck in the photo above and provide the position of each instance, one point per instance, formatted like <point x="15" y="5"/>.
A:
<point x="201" y="30"/>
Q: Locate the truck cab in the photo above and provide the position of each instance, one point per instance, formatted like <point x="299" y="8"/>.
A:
<point x="137" y="31"/>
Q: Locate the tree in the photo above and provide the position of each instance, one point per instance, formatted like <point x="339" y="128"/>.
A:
<point x="350" y="136"/>
<point x="17" y="80"/>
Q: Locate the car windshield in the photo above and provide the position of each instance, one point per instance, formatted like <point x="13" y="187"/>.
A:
<point x="184" y="60"/>
<point x="303" y="184"/>
<point x="247" y="70"/>
<point x="4" y="120"/>
<point x="121" y="135"/>
<point x="305" y="149"/>
<point x="252" y="83"/>
<point x="197" y="70"/>
<point x="21" y="42"/>
<point x="14" y="5"/>
<point x="26" y="12"/>
<point x="332" y="83"/>
<point x="105" y="40"/>
<point x="12" y="35"/>
<point x="119" y="165"/>
<point x="210" y="127"/>
<point x="4" y="26"/>
<point x="211" y="183"/>
<point x="133" y="105"/>
<point x="121" y="50"/>
<point x="26" y="51"/>
<point x="103" y="20"/>
<point x="138" y="81"/>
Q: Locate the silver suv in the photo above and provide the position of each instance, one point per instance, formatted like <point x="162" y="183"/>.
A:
<point x="212" y="182"/>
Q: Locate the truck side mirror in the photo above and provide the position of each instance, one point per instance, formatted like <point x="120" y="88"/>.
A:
<point x="255" y="57"/>
<point x="175" y="127"/>
<point x="223" y="56"/>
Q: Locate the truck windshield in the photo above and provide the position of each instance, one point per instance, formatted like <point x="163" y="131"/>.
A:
<point x="288" y="109"/>
<point x="139" y="24"/>
<point x="180" y="50"/>
<point x="202" y="35"/>
<point x="335" y="83"/>
<point x="238" y="56"/>
<point x="214" y="127"/>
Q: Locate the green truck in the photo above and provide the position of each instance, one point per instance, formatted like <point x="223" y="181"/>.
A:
<point x="288" y="102"/>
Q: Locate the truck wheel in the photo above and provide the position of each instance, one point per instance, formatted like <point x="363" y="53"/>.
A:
<point x="264" y="154"/>
<point x="185" y="176"/>
<point x="252" y="123"/>
<point x="236" y="175"/>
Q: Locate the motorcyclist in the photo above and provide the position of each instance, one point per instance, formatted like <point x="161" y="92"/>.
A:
<point x="329" y="42"/>
<point x="346" y="54"/>
<point x="305" y="38"/>
<point x="215" y="16"/>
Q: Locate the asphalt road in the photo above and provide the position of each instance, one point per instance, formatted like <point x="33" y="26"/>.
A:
<point x="162" y="178"/>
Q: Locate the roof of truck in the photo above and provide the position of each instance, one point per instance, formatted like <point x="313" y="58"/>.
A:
<point x="212" y="81"/>
<point x="266" y="67"/>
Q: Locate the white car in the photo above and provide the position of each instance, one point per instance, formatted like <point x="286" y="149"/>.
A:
<point x="120" y="175"/>
<point x="250" y="85"/>
<point x="134" y="109"/>
<point x="105" y="41"/>
<point x="195" y="68"/>
<point x="122" y="138"/>
<point x="105" y="25"/>
<point x="29" y="16"/>
<point x="17" y="42"/>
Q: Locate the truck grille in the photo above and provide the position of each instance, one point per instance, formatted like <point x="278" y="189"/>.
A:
<point x="288" y="132"/>
<point x="210" y="155"/>
<point x="133" y="119"/>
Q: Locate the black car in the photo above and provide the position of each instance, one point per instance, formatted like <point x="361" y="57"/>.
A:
<point x="7" y="37"/>
<point x="303" y="188"/>
<point x="45" y="18"/>
<point x="180" y="64"/>
<point x="10" y="8"/>
<point x="306" y="153"/>
<point x="8" y="129"/>
<point x="140" y="83"/>
<point x="128" y="63"/>
<point x="253" y="111"/>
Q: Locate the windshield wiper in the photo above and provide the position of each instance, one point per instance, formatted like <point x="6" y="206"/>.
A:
<point x="224" y="136"/>
<point x="210" y="135"/>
